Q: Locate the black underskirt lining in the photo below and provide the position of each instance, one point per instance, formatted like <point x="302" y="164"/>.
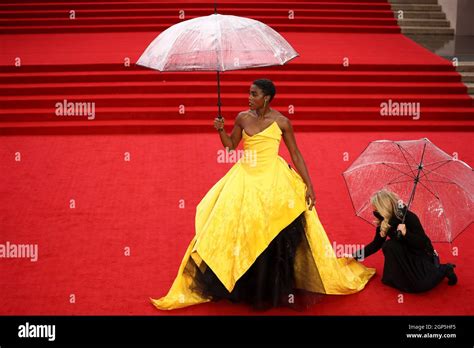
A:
<point x="269" y="282"/>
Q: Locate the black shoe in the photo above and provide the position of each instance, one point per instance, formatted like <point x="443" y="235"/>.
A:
<point x="452" y="277"/>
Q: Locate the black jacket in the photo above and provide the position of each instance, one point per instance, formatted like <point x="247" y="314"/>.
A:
<point x="415" y="238"/>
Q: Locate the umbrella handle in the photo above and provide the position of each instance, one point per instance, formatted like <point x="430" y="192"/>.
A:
<point x="219" y="115"/>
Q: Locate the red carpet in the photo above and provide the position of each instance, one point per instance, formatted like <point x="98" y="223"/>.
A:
<point x="136" y="204"/>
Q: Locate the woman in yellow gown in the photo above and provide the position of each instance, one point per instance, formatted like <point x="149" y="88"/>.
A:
<point x="258" y="238"/>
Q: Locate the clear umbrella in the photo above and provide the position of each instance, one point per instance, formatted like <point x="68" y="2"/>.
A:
<point x="436" y="186"/>
<point x="217" y="43"/>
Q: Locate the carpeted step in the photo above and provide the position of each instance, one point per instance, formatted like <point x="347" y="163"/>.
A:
<point x="228" y="87"/>
<point x="238" y="75"/>
<point x="283" y="101"/>
<point x="194" y="12"/>
<point x="208" y="113"/>
<point x="53" y="29"/>
<point x="205" y="126"/>
<point x="166" y="21"/>
<point x="376" y="67"/>
<point x="101" y="5"/>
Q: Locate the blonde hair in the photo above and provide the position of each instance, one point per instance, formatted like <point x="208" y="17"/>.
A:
<point x="387" y="204"/>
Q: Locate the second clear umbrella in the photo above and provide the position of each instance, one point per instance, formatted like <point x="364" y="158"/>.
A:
<point x="438" y="187"/>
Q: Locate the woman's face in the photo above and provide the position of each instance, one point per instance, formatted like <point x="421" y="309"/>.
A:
<point x="256" y="98"/>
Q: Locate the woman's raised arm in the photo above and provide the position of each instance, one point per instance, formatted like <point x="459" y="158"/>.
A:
<point x="230" y="142"/>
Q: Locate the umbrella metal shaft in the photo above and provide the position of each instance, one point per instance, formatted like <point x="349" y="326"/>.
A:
<point x="219" y="94"/>
<point x="416" y="180"/>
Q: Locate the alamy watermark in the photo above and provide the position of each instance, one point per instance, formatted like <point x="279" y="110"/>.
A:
<point x="67" y="108"/>
<point x="234" y="156"/>
<point x="394" y="108"/>
<point x="28" y="330"/>
<point x="26" y="251"/>
<point x="346" y="250"/>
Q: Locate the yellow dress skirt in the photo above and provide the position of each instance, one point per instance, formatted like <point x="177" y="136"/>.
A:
<point x="256" y="240"/>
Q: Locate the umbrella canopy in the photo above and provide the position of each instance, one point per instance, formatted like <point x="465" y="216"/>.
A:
<point x="217" y="43"/>
<point x="437" y="187"/>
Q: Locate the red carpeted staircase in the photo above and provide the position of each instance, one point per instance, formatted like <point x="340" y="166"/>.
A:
<point x="81" y="16"/>
<point x="318" y="90"/>
<point x="311" y="95"/>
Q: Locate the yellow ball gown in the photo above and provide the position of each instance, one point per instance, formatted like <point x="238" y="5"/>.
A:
<point x="240" y="216"/>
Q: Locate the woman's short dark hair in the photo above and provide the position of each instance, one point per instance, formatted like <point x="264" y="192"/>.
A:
<point x="267" y="87"/>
